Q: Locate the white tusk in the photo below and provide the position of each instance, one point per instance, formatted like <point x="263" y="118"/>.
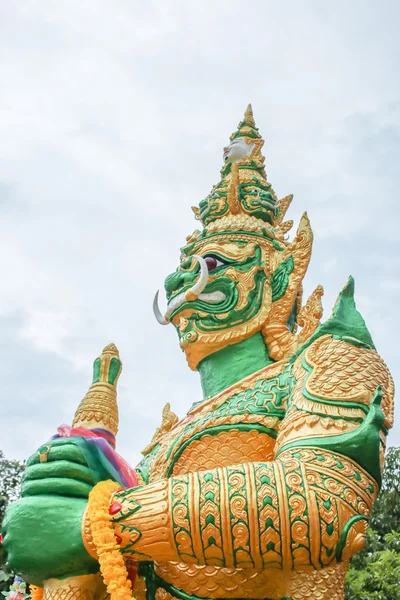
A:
<point x="174" y="304"/>
<point x="157" y="313"/>
<point x="202" y="282"/>
<point x="193" y="293"/>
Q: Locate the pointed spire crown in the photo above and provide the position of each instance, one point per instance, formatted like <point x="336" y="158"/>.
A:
<point x="243" y="199"/>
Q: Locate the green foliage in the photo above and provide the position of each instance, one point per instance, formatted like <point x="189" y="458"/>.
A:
<point x="375" y="572"/>
<point x="386" y="514"/>
<point x="10" y="481"/>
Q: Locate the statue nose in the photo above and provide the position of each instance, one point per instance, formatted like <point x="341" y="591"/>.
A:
<point x="177" y="280"/>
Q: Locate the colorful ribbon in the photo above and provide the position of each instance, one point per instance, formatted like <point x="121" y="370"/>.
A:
<point x="102" y="442"/>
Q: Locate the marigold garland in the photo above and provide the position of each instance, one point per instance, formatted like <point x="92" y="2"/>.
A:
<point x="112" y="565"/>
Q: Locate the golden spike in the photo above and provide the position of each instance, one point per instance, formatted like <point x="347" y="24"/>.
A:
<point x="280" y="341"/>
<point x="248" y="116"/>
<point x="283" y="207"/>
<point x="310" y="314"/>
<point x="233" y="191"/>
<point x="169" y="420"/>
<point x="98" y="408"/>
<point x="196" y="212"/>
<point x="286" y="226"/>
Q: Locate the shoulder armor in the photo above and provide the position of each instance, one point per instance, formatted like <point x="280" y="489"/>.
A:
<point x="336" y="370"/>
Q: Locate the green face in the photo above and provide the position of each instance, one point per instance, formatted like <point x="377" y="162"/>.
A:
<point x="229" y="307"/>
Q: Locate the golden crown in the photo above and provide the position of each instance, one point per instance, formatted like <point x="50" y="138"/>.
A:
<point x="243" y="200"/>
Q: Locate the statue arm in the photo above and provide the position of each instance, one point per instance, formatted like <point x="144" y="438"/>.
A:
<point x="307" y="508"/>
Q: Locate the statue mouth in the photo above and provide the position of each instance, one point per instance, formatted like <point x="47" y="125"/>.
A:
<point x="213" y="297"/>
<point x="195" y="292"/>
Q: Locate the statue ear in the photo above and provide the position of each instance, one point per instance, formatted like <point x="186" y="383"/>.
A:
<point x="288" y="275"/>
<point x="286" y="282"/>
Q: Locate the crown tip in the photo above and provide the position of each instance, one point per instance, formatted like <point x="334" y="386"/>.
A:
<point x="111" y="349"/>
<point x="248" y="115"/>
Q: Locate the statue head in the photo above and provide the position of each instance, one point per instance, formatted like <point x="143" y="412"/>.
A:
<point x="239" y="275"/>
<point x="237" y="150"/>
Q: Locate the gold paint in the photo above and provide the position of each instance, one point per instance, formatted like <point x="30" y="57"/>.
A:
<point x="87" y="537"/>
<point x="169" y="420"/>
<point x="190" y="296"/>
<point x="194" y="520"/>
<point x="253" y="517"/>
<point x="208" y="343"/>
<point x="247" y="383"/>
<point x="302" y="476"/>
<point x="83" y="587"/>
<point x="310" y="314"/>
<point x="155" y="536"/>
<point x="248" y="116"/>
<point x="280" y="341"/>
<point x="140" y="589"/>
<point x="226" y="530"/>
<point x="43" y="456"/>
<point x="286" y="546"/>
<point x="226" y="448"/>
<point x="233" y="201"/>
<point x="98" y="408"/>
<point x="283" y="208"/>
<point x="161" y="594"/>
<point x="159" y="466"/>
<point x="283" y="518"/>
<point x="228" y="249"/>
<point x="355" y="539"/>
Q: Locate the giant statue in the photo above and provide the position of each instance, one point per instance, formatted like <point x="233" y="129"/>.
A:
<point x="264" y="489"/>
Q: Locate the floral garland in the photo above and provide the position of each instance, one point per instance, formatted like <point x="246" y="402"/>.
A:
<point x="112" y="565"/>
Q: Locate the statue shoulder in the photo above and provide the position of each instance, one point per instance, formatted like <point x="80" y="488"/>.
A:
<point x="343" y="370"/>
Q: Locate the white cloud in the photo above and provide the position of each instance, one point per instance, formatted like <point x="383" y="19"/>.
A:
<point x="112" y="121"/>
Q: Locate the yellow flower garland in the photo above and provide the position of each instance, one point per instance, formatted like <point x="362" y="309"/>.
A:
<point x="112" y="565"/>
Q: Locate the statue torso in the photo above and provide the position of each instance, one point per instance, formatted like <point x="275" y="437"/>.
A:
<point x="238" y="426"/>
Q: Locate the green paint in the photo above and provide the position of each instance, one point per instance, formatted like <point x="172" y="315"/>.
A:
<point x="345" y="319"/>
<point x="49" y="515"/>
<point x="96" y="370"/>
<point x="267" y="397"/>
<point x="292" y="317"/>
<point x="114" y="369"/>
<point x="361" y="444"/>
<point x="144" y="465"/>
<point x="344" y="534"/>
<point x="280" y="278"/>
<point x="52" y="524"/>
<point x="231" y="364"/>
<point x="146" y="570"/>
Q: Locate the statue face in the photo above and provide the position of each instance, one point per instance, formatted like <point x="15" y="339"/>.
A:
<point x="233" y="304"/>
<point x="237" y="150"/>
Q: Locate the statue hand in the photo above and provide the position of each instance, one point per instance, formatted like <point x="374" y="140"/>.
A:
<point x="42" y="530"/>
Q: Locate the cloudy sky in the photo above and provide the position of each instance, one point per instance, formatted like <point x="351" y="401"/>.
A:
<point x="113" y="116"/>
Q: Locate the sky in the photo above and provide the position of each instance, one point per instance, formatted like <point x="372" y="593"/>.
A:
<point x="113" y="117"/>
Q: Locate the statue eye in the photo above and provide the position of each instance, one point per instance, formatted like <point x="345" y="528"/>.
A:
<point x="213" y="262"/>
